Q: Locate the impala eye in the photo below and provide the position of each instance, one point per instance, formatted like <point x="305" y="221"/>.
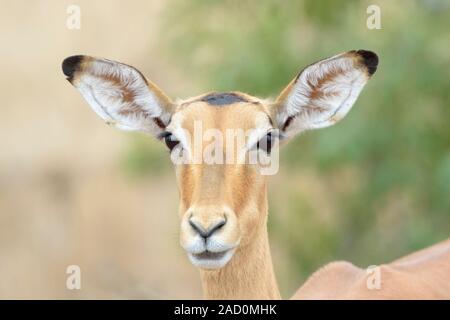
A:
<point x="266" y="143"/>
<point x="170" y="140"/>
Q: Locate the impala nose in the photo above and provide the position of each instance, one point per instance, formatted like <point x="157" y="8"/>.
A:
<point x="209" y="229"/>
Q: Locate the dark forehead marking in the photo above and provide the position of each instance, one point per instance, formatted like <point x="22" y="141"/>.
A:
<point x="222" y="98"/>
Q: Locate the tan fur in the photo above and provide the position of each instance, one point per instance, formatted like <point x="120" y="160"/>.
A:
<point x="421" y="275"/>
<point x="249" y="274"/>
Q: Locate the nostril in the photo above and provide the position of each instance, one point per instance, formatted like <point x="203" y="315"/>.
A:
<point x="218" y="226"/>
<point x="199" y="229"/>
<point x="205" y="233"/>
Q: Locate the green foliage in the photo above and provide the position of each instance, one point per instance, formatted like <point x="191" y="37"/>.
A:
<point x="396" y="138"/>
<point x="144" y="157"/>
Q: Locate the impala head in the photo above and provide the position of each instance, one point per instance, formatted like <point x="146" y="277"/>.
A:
<point x="223" y="193"/>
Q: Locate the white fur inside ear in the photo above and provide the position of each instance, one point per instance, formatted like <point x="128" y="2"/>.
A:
<point x="120" y="95"/>
<point x="322" y="94"/>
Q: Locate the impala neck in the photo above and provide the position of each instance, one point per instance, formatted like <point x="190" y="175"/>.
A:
<point x="249" y="274"/>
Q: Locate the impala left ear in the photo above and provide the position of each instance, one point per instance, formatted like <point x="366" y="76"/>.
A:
<point x="324" y="92"/>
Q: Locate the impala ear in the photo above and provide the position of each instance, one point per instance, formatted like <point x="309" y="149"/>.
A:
<point x="119" y="94"/>
<point x="324" y="92"/>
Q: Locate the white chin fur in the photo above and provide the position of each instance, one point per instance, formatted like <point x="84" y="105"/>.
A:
<point x="211" y="263"/>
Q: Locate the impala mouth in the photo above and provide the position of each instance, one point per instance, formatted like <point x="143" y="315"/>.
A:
<point x="208" y="255"/>
<point x="211" y="260"/>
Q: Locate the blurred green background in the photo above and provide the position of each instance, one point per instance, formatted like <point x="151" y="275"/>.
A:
<point x="370" y="189"/>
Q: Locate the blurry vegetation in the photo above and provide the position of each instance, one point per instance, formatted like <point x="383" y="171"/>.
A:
<point x="396" y="140"/>
<point x="144" y="156"/>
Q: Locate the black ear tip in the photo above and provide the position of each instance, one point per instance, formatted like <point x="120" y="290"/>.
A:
<point x="70" y="65"/>
<point x="370" y="60"/>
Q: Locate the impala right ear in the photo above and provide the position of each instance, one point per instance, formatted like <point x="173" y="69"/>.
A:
<point x="119" y="94"/>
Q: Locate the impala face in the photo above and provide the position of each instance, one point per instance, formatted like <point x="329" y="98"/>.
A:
<point x="220" y="202"/>
<point x="223" y="202"/>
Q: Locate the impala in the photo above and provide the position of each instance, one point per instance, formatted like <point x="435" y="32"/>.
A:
<point x="223" y="206"/>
